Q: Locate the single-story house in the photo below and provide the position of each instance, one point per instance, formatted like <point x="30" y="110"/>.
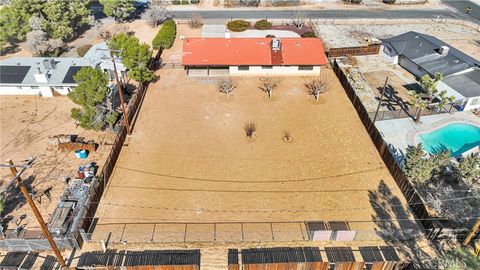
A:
<point x="49" y="76"/>
<point x="422" y="54"/>
<point x="253" y="56"/>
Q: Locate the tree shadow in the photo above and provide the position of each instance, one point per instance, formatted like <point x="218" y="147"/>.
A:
<point x="397" y="227"/>
<point x="14" y="200"/>
<point x="10" y="49"/>
<point x="398" y="154"/>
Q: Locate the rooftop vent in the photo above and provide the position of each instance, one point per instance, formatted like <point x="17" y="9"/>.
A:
<point x="49" y="64"/>
<point x="443" y="50"/>
<point x="276" y="45"/>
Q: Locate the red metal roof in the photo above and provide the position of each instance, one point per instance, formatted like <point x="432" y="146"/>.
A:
<point x="252" y="52"/>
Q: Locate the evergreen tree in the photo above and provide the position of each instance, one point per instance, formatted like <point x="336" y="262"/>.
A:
<point x="468" y="169"/>
<point x="418" y="167"/>
<point x="118" y="9"/>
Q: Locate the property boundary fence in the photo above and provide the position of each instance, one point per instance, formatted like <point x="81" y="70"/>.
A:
<point x="132" y="112"/>
<point x="360" y="50"/>
<point x="408" y="190"/>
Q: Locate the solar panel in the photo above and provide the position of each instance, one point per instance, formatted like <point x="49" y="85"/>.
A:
<point x="13" y="259"/>
<point x="371" y="254"/>
<point x="339" y="254"/>
<point x="281" y="255"/>
<point x="30" y="260"/>
<point x="233" y="256"/>
<point x="48" y="263"/>
<point x="70" y="73"/>
<point x="339" y="226"/>
<point x="13" y="74"/>
<point x="389" y="253"/>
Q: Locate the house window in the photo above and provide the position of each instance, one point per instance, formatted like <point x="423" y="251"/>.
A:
<point x="475" y="101"/>
<point x="59" y="87"/>
<point x="267" y="67"/>
<point x="35" y="87"/>
<point x="305" y="67"/>
<point x="19" y="87"/>
<point x="243" y="67"/>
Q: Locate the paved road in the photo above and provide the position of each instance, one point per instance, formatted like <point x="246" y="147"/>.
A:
<point x="320" y="14"/>
<point x="461" y="5"/>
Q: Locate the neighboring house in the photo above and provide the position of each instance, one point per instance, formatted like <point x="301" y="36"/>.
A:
<point x="48" y="76"/>
<point x="253" y="56"/>
<point x="422" y="54"/>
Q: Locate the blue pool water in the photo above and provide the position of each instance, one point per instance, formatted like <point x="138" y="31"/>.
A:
<point x="456" y="137"/>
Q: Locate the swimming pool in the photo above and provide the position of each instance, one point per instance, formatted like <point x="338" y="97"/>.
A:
<point x="456" y="137"/>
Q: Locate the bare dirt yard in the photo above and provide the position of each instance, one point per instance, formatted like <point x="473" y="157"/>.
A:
<point x="189" y="160"/>
<point x="26" y="123"/>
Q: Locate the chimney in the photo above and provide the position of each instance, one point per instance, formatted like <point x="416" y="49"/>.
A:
<point x="276" y="45"/>
<point x="443" y="50"/>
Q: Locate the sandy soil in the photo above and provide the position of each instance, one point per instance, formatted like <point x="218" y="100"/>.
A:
<point x="26" y="123"/>
<point x="189" y="160"/>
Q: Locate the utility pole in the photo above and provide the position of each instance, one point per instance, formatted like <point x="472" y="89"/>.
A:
<point x="120" y="92"/>
<point x="381" y="98"/>
<point x="37" y="214"/>
<point x="471" y="233"/>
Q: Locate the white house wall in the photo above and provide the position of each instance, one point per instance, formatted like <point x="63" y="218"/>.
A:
<point x="24" y="91"/>
<point x="472" y="103"/>
<point x="388" y="55"/>
<point x="276" y="70"/>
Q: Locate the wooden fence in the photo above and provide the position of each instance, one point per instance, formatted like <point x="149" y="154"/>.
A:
<point x="361" y="50"/>
<point x="408" y="190"/>
<point x="132" y="111"/>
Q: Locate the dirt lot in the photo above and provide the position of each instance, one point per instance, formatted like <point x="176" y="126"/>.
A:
<point x="26" y="123"/>
<point x="461" y="37"/>
<point x="189" y="160"/>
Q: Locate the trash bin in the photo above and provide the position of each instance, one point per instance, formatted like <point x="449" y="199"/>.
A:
<point x="83" y="154"/>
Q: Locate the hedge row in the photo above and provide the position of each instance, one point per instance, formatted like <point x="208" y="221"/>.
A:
<point x="165" y="36"/>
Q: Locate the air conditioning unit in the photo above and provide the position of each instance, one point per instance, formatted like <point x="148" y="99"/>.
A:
<point x="443" y="50"/>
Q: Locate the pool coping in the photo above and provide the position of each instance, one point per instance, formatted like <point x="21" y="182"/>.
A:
<point x="412" y="135"/>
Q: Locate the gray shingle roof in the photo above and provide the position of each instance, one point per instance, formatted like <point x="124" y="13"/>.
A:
<point x="423" y="50"/>
<point x="56" y="69"/>
<point x="467" y="84"/>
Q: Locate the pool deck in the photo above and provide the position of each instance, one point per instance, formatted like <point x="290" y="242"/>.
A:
<point x="401" y="133"/>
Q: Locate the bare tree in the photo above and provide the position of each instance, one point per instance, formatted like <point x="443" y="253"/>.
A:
<point x="35" y="23"/>
<point x="298" y="19"/>
<point x="268" y="84"/>
<point x="226" y="86"/>
<point x="287" y="136"/>
<point x="156" y="15"/>
<point x="39" y="44"/>
<point x="317" y="86"/>
<point x="250" y="128"/>
<point x="196" y="21"/>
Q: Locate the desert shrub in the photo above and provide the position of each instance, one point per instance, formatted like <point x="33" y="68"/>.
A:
<point x="309" y="34"/>
<point x="165" y="36"/>
<point x="176" y="2"/>
<point x="81" y="51"/>
<point x="390" y="2"/>
<point x="238" y="25"/>
<point x="185" y="2"/>
<point x="270" y="36"/>
<point x="195" y="2"/>
<point x="263" y="25"/>
<point x="353" y="1"/>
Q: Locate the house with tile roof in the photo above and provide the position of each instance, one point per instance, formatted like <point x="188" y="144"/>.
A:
<point x="422" y="54"/>
<point x="49" y="76"/>
<point x="253" y="56"/>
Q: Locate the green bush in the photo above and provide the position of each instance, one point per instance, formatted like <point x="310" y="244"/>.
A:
<point x="238" y="25"/>
<point x="270" y="36"/>
<point x="195" y="2"/>
<point x="185" y="2"/>
<point x="81" y="51"/>
<point x="176" y="2"/>
<point x="165" y="36"/>
<point x="390" y="2"/>
<point x="263" y="25"/>
<point x="309" y="34"/>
